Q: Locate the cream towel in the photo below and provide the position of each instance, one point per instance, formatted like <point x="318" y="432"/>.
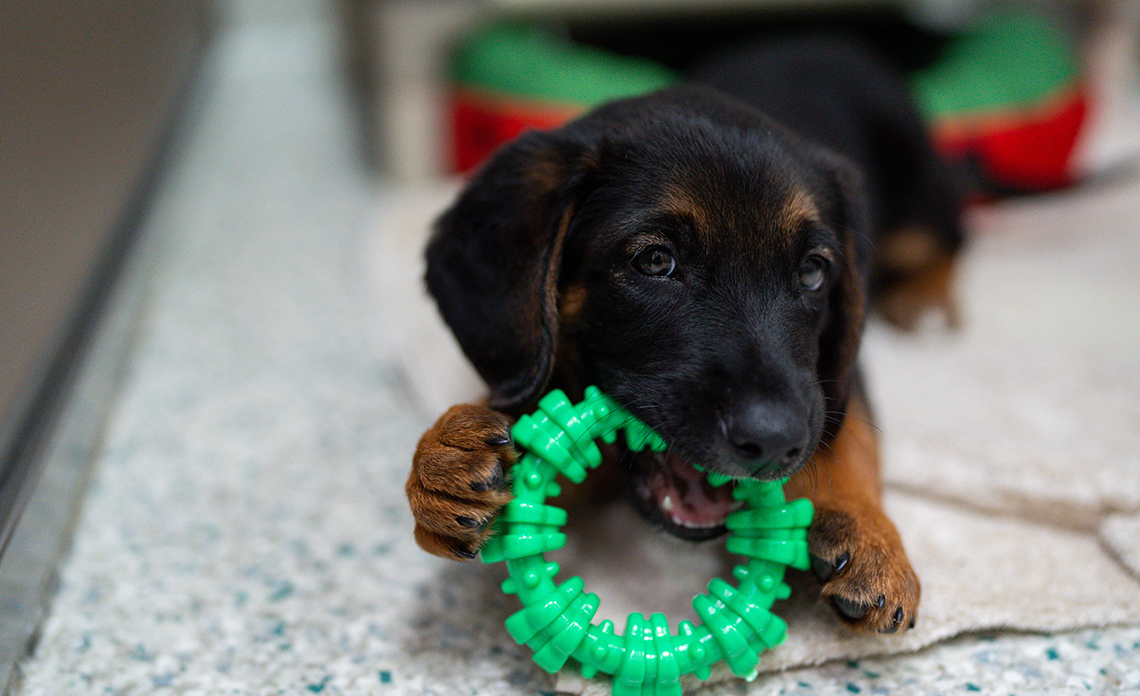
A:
<point x="1012" y="447"/>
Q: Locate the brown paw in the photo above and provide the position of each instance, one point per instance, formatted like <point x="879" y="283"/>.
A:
<point x="867" y="579"/>
<point x="459" y="481"/>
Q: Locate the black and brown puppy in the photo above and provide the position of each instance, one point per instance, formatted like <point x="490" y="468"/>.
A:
<point x="710" y="269"/>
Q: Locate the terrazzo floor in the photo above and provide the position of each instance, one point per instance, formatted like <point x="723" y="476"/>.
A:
<point x="246" y="531"/>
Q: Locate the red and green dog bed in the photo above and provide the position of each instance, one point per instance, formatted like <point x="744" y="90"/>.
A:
<point x="1007" y="98"/>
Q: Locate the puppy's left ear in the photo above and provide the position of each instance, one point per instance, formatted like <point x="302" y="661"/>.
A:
<point x="845" y="210"/>
<point x="493" y="263"/>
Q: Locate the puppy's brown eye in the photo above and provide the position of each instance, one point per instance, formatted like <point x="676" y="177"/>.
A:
<point x="655" y="261"/>
<point x="813" y="273"/>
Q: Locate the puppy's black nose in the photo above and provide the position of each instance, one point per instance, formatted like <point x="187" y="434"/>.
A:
<point x="767" y="437"/>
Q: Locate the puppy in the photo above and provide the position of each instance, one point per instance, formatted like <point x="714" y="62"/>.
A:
<point x="711" y="269"/>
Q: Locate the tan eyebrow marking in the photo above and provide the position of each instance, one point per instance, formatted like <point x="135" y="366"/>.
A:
<point x="677" y="200"/>
<point x="797" y="209"/>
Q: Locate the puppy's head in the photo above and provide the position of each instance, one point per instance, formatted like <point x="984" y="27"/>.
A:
<point x="699" y="263"/>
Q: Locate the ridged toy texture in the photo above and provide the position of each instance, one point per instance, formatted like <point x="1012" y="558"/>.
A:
<point x="648" y="659"/>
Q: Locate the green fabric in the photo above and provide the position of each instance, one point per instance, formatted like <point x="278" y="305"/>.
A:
<point x="527" y="62"/>
<point x="1010" y="61"/>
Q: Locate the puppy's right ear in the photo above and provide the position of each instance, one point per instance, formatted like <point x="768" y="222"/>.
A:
<point x="493" y="263"/>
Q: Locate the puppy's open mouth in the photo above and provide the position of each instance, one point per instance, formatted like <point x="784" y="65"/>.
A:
<point x="679" y="498"/>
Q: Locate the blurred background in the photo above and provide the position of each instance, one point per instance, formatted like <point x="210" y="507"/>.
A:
<point x="144" y="143"/>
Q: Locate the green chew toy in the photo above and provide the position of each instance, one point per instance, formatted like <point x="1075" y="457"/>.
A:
<point x="736" y="624"/>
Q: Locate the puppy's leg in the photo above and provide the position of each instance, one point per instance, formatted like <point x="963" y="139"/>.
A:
<point x="458" y="482"/>
<point x="915" y="275"/>
<point x="856" y="550"/>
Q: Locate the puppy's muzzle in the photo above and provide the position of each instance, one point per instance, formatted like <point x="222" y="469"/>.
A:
<point x="768" y="438"/>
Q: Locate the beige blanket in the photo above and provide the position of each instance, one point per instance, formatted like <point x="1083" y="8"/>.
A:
<point x="1012" y="447"/>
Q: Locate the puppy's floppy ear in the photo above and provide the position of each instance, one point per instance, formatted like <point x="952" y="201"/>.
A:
<point x="845" y="210"/>
<point x="493" y="263"/>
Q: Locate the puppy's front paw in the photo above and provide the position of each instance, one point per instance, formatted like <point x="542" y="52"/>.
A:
<point x="858" y="556"/>
<point x="459" y="480"/>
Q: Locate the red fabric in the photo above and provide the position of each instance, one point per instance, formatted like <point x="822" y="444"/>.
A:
<point x="1020" y="152"/>
<point x="482" y="124"/>
<point x="1030" y="154"/>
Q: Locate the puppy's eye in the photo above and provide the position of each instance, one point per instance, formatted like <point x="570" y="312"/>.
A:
<point x="813" y="273"/>
<point x="655" y="261"/>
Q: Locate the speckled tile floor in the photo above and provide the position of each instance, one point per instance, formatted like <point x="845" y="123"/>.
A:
<point x="246" y="533"/>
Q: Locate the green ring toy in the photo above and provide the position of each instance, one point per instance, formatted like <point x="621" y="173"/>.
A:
<point x="736" y="624"/>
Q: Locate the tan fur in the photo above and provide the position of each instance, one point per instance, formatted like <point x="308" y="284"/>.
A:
<point x="842" y="481"/>
<point x="908" y="249"/>
<point x="796" y="210"/>
<point x="679" y="201"/>
<point x="570" y="304"/>
<point x="454" y="458"/>
<point x="925" y="289"/>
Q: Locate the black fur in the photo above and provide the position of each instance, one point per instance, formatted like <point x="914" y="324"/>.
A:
<point x="841" y="94"/>
<point x="731" y="359"/>
<point x="674" y="350"/>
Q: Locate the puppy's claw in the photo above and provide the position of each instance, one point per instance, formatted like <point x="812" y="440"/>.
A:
<point x="494" y="483"/>
<point x="467" y="554"/>
<point x="869" y="584"/>
<point x="896" y="622"/>
<point x="499" y="440"/>
<point x="825" y="570"/>
<point x="458" y="483"/>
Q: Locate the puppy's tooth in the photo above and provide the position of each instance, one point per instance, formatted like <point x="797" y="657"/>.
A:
<point x="667" y="504"/>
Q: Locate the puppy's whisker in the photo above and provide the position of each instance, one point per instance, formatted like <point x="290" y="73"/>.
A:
<point x="838" y="418"/>
<point x="812" y="471"/>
